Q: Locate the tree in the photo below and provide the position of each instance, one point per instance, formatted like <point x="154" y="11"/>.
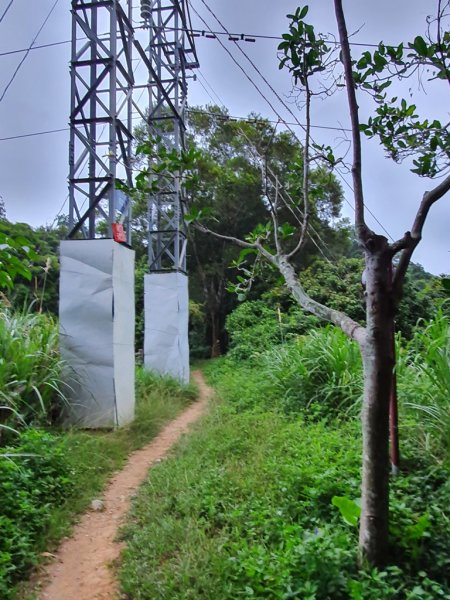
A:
<point x="37" y="279"/>
<point x="237" y="162"/>
<point x="403" y="134"/>
<point x="15" y="252"/>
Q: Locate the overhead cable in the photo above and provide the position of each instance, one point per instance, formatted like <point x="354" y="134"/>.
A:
<point x="6" y="10"/>
<point x="277" y="96"/>
<point x="27" y="135"/>
<point x="28" y="50"/>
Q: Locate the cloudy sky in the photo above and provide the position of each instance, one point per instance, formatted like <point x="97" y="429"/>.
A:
<point x="33" y="170"/>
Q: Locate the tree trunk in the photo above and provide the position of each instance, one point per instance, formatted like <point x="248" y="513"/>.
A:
<point x="378" y="365"/>
<point x="215" y="334"/>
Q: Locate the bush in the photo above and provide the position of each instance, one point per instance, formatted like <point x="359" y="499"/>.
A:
<point x="34" y="478"/>
<point x="318" y="374"/>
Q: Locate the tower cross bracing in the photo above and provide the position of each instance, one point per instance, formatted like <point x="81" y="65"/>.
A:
<point x="171" y="54"/>
<point x="102" y="83"/>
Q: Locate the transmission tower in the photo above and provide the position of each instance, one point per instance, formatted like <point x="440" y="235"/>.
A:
<point x="171" y="53"/>
<point x="96" y="306"/>
<point x="101" y="116"/>
<point x="169" y="56"/>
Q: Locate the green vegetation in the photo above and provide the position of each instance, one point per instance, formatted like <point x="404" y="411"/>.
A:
<point x="35" y="478"/>
<point x="46" y="479"/>
<point x="262" y="500"/>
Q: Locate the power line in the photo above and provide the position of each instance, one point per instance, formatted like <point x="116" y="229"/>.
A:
<point x="261" y="93"/>
<point x="277" y="96"/>
<point x="28" y="50"/>
<point x="248" y="120"/>
<point x="6" y="10"/>
<point x="232" y="37"/>
<point x="49" y="45"/>
<point x="27" y="135"/>
<point x="20" y="50"/>
<point x="255" y="153"/>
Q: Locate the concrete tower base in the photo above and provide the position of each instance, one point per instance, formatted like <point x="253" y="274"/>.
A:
<point x="96" y="313"/>
<point x="166" y="306"/>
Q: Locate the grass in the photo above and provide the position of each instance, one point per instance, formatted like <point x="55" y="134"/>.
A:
<point x="244" y="510"/>
<point x="92" y="457"/>
<point x="247" y="507"/>
<point x="319" y="373"/>
<point x="424" y="382"/>
<point x="207" y="516"/>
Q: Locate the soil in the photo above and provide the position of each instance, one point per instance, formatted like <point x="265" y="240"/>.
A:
<point x="82" y="566"/>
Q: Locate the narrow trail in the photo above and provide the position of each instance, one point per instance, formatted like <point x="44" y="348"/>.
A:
<point x="82" y="566"/>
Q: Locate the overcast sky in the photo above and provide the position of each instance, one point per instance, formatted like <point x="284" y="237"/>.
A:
<point x="33" y="170"/>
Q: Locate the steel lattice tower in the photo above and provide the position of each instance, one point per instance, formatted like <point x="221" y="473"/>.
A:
<point x="171" y="53"/>
<point x="101" y="116"/>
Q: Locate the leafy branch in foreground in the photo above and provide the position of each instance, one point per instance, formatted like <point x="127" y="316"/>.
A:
<point x="13" y="254"/>
<point x="396" y="123"/>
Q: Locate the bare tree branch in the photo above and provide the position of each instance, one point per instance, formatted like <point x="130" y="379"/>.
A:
<point x="360" y="224"/>
<point x="273" y="207"/>
<point x="243" y="244"/>
<point x="304" y="226"/>
<point x="350" y="327"/>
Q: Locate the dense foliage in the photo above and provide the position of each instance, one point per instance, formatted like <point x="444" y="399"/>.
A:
<point x="46" y="478"/>
<point x="38" y="285"/>
<point x="35" y="478"/>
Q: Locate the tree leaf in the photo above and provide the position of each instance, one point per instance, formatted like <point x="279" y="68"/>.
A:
<point x="420" y="46"/>
<point x="349" y="509"/>
<point x="303" y="12"/>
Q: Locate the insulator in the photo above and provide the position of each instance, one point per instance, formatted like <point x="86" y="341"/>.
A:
<point x="146" y="9"/>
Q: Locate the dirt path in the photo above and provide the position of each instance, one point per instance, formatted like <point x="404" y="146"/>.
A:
<point x="81" y="569"/>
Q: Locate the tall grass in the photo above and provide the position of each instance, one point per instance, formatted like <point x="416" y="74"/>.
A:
<point x="319" y="372"/>
<point x="318" y="375"/>
<point x="31" y="391"/>
<point x="424" y="381"/>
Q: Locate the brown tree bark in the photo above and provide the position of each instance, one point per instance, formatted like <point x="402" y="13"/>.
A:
<point x="215" y="334"/>
<point x="378" y="366"/>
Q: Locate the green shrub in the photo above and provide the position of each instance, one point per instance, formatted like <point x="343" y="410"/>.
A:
<point x="46" y="481"/>
<point x="34" y="478"/>
<point x="256" y="326"/>
<point x="31" y="391"/>
<point x="319" y="372"/>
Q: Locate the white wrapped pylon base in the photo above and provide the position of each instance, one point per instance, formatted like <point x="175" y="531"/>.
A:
<point x="96" y="314"/>
<point x="166" y="308"/>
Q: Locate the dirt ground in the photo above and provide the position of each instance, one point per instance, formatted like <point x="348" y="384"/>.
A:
<point x="81" y="569"/>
